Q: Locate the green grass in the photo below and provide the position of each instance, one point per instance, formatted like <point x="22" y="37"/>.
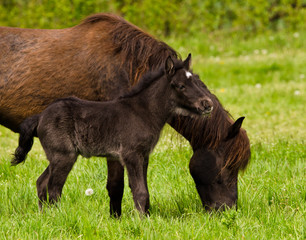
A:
<point x="272" y="191"/>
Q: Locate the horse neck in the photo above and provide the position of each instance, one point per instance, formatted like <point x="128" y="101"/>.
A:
<point x="154" y="102"/>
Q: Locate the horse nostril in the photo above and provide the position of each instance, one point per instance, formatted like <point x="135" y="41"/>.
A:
<point x="208" y="109"/>
<point x="207" y="106"/>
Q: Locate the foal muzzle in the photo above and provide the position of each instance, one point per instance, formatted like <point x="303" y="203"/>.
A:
<point x="205" y="106"/>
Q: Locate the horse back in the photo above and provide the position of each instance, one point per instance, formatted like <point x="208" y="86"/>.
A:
<point x="38" y="66"/>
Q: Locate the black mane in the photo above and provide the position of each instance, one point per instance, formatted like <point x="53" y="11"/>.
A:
<point x="144" y="82"/>
<point x="148" y="78"/>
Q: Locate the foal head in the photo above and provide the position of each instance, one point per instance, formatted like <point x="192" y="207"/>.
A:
<point x="188" y="97"/>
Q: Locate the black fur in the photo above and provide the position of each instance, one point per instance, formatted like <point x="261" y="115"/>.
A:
<point x="125" y="129"/>
<point x="27" y="132"/>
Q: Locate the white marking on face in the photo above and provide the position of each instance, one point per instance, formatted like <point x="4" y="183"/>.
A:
<point x="188" y="74"/>
<point x="183" y="112"/>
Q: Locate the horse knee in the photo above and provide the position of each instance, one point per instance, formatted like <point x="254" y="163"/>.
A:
<point x="41" y="184"/>
<point x="143" y="196"/>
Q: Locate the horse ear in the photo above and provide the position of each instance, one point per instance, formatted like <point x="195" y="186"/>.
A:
<point x="235" y="128"/>
<point x="169" y="66"/>
<point x="187" y="62"/>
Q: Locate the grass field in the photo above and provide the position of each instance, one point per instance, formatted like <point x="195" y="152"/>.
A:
<point x="264" y="79"/>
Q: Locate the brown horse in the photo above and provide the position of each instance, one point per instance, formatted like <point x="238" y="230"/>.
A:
<point x="100" y="59"/>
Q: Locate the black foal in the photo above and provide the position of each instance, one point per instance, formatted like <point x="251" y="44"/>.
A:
<point x="125" y="129"/>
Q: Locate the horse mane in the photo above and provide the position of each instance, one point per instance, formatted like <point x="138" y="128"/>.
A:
<point x="138" y="49"/>
<point x="143" y="53"/>
<point x="209" y="132"/>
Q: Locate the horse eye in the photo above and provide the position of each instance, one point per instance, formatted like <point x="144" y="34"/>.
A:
<point x="181" y="87"/>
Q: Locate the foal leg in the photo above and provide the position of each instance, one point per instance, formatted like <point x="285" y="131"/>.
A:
<point x="135" y="168"/>
<point x="60" y="166"/>
<point x="41" y="185"/>
<point x="145" y="170"/>
<point x="115" y="185"/>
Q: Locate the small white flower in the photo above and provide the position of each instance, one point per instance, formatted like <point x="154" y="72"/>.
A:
<point x="271" y="38"/>
<point x="297" y="92"/>
<point x="264" y="51"/>
<point x="296" y="35"/>
<point x="89" y="192"/>
<point x="212" y="47"/>
<point x="258" y="85"/>
<point x="256" y="51"/>
<point x="302" y="76"/>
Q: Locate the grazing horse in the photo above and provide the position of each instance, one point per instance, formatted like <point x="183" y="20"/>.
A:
<point x="220" y="149"/>
<point x="100" y="59"/>
<point x="126" y="128"/>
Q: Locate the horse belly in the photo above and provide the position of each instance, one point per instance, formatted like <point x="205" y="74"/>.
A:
<point x="97" y="136"/>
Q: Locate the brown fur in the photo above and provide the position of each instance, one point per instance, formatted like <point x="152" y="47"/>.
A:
<point x="34" y="60"/>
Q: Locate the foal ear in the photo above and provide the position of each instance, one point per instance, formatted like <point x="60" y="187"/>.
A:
<point x="187" y="62"/>
<point x="169" y="66"/>
<point x="235" y="128"/>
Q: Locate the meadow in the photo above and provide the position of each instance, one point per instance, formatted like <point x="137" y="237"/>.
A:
<point x="262" y="78"/>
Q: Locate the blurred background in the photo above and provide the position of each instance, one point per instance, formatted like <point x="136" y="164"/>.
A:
<point x="162" y="17"/>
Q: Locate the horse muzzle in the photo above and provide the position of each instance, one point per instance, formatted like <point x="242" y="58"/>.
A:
<point x="204" y="106"/>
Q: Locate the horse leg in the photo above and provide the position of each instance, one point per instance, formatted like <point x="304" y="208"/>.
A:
<point x="115" y="185"/>
<point x="60" y="166"/>
<point x="41" y="185"/>
<point x="145" y="170"/>
<point x="135" y="168"/>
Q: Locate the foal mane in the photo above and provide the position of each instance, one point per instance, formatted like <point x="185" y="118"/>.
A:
<point x="146" y="80"/>
<point x="149" y="77"/>
<point x="138" y="49"/>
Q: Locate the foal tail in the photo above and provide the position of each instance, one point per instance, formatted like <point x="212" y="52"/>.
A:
<point x="27" y="130"/>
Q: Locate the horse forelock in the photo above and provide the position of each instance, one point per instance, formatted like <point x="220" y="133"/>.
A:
<point x="237" y="152"/>
<point x="136" y="49"/>
<point x="210" y="133"/>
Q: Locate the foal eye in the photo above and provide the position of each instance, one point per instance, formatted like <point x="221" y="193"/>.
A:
<point x="181" y="87"/>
